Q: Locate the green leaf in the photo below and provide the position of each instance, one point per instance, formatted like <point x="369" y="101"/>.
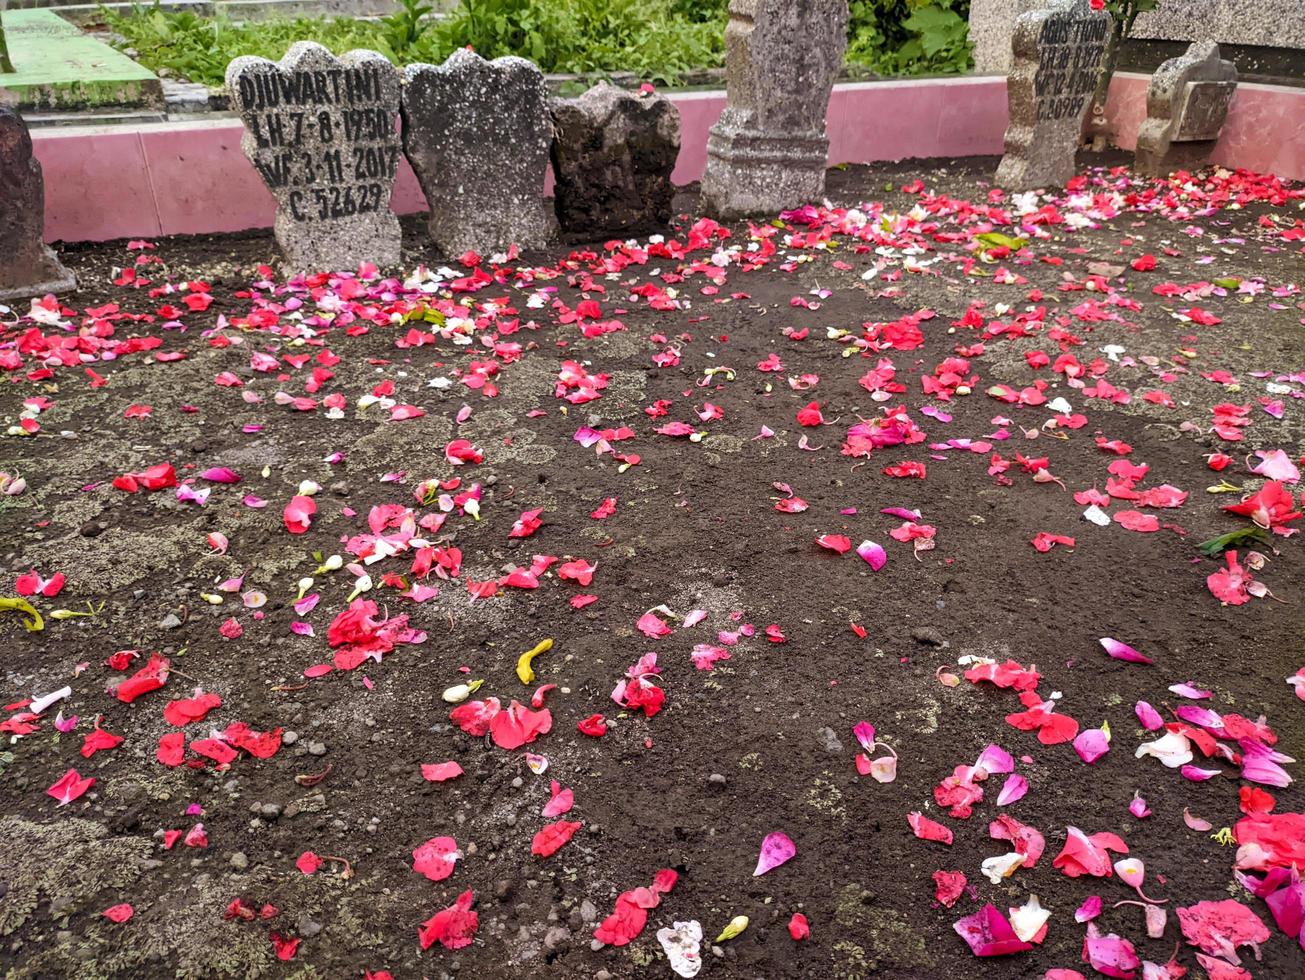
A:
<point x="995" y="239"/>
<point x="1242" y="537"/>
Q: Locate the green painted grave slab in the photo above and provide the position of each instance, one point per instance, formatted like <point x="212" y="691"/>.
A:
<point x="59" y="67"/>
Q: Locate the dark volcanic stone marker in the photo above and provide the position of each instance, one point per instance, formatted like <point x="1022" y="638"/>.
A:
<point x="27" y="265"/>
<point x="477" y="133"/>
<point x="1057" y="54"/>
<point x="769" y="150"/>
<point x="613" y="153"/>
<point x="1186" y="105"/>
<point x="321" y="132"/>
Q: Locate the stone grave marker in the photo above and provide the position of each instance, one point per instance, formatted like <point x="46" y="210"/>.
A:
<point x="769" y="150"/>
<point x="477" y="134"/>
<point x="321" y="132"/>
<point x="1186" y="105"/>
<point x="1057" y="54"/>
<point x="28" y="267"/>
<point x="613" y="153"/>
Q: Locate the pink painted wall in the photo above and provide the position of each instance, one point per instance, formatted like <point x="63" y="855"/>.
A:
<point x="191" y="178"/>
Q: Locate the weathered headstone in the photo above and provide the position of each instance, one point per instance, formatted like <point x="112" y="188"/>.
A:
<point x="477" y="133"/>
<point x="27" y="265"/>
<point x="769" y="150"/>
<point x="613" y="153"/>
<point x="1186" y="105"/>
<point x="321" y="132"/>
<point x="1057" y="56"/>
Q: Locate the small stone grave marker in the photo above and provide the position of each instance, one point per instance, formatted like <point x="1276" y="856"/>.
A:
<point x="1186" y="105"/>
<point x="477" y="134"/>
<point x="768" y="151"/>
<point x="321" y="132"/>
<point x="1057" y="52"/>
<point x="28" y="267"/>
<point x="613" y="153"/>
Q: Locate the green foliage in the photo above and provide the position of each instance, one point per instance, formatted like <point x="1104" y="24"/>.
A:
<point x="199" y="48"/>
<point x="646" y="37"/>
<point x="658" y="40"/>
<point x="406" y="26"/>
<point x="909" y="37"/>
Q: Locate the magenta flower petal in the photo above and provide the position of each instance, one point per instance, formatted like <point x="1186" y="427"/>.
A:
<point x="1198" y="775"/>
<point x="1091" y="744"/>
<point x="1188" y="690"/>
<point x="1260" y="764"/>
<point x="1148" y="716"/>
<point x="865" y="735"/>
<point x="1110" y="954"/>
<point x="1122" y="651"/>
<point x="775" y="850"/>
<point x="989" y="933"/>
<point x="220" y="474"/>
<point x="873" y="554"/>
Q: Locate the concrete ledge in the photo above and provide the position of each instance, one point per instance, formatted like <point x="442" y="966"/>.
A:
<point x="191" y="178"/>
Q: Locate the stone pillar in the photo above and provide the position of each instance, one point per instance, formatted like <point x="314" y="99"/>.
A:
<point x="1186" y="105"/>
<point x="1057" y="53"/>
<point x="477" y="134"/>
<point x="320" y="131"/>
<point x="768" y="151"/>
<point x="28" y="267"/>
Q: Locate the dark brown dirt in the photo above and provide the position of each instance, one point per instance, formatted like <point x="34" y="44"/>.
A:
<point x="696" y="528"/>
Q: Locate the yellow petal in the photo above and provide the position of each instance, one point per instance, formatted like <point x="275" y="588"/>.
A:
<point x="524" y="670"/>
<point x="31" y="618"/>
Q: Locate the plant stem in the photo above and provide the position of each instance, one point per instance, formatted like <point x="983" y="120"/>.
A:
<point x="6" y="63"/>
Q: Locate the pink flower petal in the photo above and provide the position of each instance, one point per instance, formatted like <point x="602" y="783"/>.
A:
<point x="1013" y="790"/>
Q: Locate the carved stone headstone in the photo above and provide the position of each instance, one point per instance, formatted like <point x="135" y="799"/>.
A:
<point x="768" y="151"/>
<point x="27" y="265"/>
<point x="477" y="134"/>
<point x="1186" y="105"/>
<point x="613" y="153"/>
<point x="1057" y="56"/>
<point x="321" y="132"/>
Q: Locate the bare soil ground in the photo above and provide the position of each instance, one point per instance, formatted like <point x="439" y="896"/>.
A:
<point x="761" y="743"/>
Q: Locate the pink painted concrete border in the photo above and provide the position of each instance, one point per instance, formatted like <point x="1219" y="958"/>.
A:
<point x="191" y="178"/>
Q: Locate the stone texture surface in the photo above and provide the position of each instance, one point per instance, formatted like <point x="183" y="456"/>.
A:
<point x="27" y="265"/>
<point x="477" y="134"/>
<point x="1267" y="23"/>
<point x="321" y="132"/>
<point x="1057" y="53"/>
<point x="1186" y="105"/>
<point x="613" y="153"/>
<point x="769" y="150"/>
